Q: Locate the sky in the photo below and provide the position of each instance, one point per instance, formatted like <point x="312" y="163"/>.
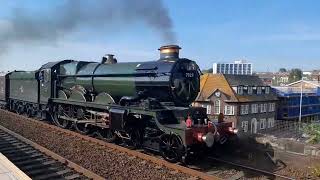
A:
<point x="270" y="34"/>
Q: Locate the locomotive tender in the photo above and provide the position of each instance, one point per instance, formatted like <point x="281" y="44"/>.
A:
<point x="142" y="104"/>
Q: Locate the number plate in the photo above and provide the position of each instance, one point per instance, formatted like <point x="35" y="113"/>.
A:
<point x="189" y="75"/>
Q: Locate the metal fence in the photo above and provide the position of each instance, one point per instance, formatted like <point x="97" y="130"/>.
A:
<point x="284" y="129"/>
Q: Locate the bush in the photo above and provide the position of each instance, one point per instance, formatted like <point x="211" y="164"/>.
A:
<point x="316" y="171"/>
<point x="313" y="130"/>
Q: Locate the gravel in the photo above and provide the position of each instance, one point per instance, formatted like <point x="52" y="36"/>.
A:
<point x="287" y="164"/>
<point x="107" y="162"/>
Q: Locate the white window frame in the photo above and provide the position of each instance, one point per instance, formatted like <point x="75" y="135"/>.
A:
<point x="217" y="107"/>
<point x="270" y="122"/>
<point x="250" y="90"/>
<point x="244" y="126"/>
<point x="229" y="110"/>
<point x="254" y="108"/>
<point x="266" y="107"/>
<point x="244" y="109"/>
<point x="272" y="107"/>
<point x="259" y="90"/>
<point x="263" y="108"/>
<point x="267" y="90"/>
<point x="240" y="90"/>
<point x="262" y="123"/>
<point x="208" y="108"/>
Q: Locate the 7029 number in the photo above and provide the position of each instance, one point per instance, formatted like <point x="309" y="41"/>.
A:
<point x="189" y="75"/>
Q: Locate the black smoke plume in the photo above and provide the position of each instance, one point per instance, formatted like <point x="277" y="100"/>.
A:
<point x="46" y="26"/>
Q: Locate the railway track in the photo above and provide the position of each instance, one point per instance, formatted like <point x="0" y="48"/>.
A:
<point x="251" y="170"/>
<point x="38" y="162"/>
<point x="233" y="172"/>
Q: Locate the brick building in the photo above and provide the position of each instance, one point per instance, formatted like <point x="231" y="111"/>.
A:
<point x="244" y="100"/>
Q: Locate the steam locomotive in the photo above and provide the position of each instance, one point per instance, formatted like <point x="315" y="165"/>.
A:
<point x="140" y="104"/>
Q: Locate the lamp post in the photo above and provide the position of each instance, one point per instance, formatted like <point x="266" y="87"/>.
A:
<point x="300" y="113"/>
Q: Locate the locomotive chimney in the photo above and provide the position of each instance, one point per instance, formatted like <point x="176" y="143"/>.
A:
<point x="108" y="59"/>
<point x="169" y="51"/>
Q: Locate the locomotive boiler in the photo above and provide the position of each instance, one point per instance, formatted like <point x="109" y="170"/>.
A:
<point x="168" y="80"/>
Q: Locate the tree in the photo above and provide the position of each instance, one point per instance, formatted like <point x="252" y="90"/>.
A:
<point x="295" y="75"/>
<point x="282" y="70"/>
<point x="210" y="70"/>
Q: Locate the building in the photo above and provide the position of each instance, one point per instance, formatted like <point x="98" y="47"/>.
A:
<point x="242" y="99"/>
<point x="238" y="67"/>
<point x="274" y="79"/>
<point x="266" y="77"/>
<point x="290" y="98"/>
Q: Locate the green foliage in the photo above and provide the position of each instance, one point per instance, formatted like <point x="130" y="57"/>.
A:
<point x="207" y="71"/>
<point x="282" y="70"/>
<point x="313" y="130"/>
<point x="295" y="75"/>
<point x="316" y="172"/>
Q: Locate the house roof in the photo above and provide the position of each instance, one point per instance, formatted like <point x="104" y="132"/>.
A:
<point x="210" y="83"/>
<point x="245" y="80"/>
<point x="314" y="83"/>
<point x="224" y="83"/>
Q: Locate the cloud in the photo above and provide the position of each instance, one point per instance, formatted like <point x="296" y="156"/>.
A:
<point x="27" y="26"/>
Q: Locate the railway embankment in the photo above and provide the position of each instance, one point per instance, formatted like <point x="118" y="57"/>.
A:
<point x="105" y="161"/>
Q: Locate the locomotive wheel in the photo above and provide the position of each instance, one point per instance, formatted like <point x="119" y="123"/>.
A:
<point x="29" y="113"/>
<point x="20" y="110"/>
<point x="135" y="140"/>
<point x="170" y="147"/>
<point x="107" y="135"/>
<point x="82" y="128"/>
<point x="57" y="120"/>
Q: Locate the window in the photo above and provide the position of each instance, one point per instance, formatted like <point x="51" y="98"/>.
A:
<point x="244" y="126"/>
<point x="270" y="122"/>
<point x="244" y="109"/>
<point x="254" y="108"/>
<point x="263" y="107"/>
<point x="240" y="89"/>
<point x="250" y="90"/>
<point x="262" y="123"/>
<point x="216" y="108"/>
<point x="208" y="109"/>
<point x="259" y="90"/>
<point x="267" y="90"/>
<point x="271" y="107"/>
<point x="228" y="110"/>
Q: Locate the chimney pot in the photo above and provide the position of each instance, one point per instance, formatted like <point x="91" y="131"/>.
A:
<point x="109" y="59"/>
<point x="169" y="51"/>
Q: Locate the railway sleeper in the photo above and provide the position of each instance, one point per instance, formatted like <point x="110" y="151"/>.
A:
<point x="13" y="146"/>
<point x="47" y="176"/>
<point x="23" y="158"/>
<point x="73" y="176"/>
<point x="8" y="142"/>
<point x="16" y="154"/>
<point x="38" y="165"/>
<point x="17" y="151"/>
<point x="45" y="170"/>
<point x="31" y="161"/>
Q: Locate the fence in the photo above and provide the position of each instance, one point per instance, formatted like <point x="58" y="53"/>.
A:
<point x="284" y="129"/>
